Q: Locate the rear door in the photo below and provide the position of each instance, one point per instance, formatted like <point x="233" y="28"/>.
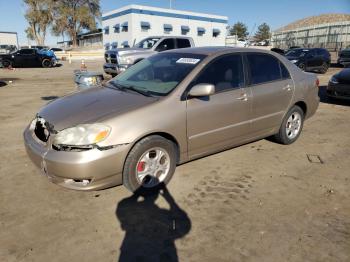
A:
<point x="220" y="120"/>
<point x="272" y="90"/>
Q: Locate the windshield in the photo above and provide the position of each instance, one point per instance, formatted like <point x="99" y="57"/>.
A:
<point x="147" y="43"/>
<point x="297" y="52"/>
<point x="158" y="75"/>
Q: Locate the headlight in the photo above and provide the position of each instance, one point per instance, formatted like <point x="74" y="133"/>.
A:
<point x="125" y="60"/>
<point x="334" y="80"/>
<point x="294" y="61"/>
<point x="82" y="135"/>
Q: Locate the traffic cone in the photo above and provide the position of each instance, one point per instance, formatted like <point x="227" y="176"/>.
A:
<point x="83" y="65"/>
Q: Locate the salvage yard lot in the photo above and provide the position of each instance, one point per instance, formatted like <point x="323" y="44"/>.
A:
<point x="259" y="202"/>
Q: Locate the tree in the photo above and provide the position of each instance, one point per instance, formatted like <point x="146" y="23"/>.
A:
<point x="72" y="16"/>
<point x="39" y="17"/>
<point x="239" y="29"/>
<point x="263" y="32"/>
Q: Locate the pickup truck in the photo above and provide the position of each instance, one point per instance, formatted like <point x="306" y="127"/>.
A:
<point x="118" y="60"/>
<point x="28" y="57"/>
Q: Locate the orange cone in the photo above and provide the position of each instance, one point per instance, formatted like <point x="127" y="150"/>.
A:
<point x="83" y="66"/>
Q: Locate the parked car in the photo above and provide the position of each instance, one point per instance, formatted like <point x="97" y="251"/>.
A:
<point x="310" y="59"/>
<point x="6" y="49"/>
<point x="29" y="57"/>
<point x="278" y="50"/>
<point x="56" y="49"/>
<point x="344" y="57"/>
<point x="168" y="109"/>
<point x="118" y="60"/>
<point x="339" y="85"/>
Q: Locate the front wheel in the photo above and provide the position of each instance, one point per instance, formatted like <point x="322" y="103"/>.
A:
<point x="6" y="63"/>
<point x="46" y="63"/>
<point x="150" y="162"/>
<point x="291" y="127"/>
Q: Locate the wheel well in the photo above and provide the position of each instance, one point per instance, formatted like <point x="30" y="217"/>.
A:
<point x="166" y="136"/>
<point x="302" y="105"/>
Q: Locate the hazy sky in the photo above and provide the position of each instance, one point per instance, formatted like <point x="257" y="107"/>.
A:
<point x="274" y="12"/>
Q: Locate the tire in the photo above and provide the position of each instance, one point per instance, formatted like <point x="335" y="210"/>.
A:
<point x="46" y="63"/>
<point x="302" y="66"/>
<point x="288" y="133"/>
<point x="6" y="63"/>
<point x="324" y="68"/>
<point x="140" y="174"/>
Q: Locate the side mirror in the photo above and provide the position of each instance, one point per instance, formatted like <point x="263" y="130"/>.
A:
<point x="202" y="90"/>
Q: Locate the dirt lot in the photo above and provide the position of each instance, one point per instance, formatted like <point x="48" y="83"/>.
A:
<point x="258" y="202"/>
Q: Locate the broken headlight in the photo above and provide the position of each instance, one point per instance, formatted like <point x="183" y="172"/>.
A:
<point x="82" y="135"/>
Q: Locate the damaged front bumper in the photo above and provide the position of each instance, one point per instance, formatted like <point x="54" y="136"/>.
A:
<point x="91" y="169"/>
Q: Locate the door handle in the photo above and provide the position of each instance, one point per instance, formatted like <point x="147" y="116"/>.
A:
<point x="244" y="97"/>
<point x="287" y="88"/>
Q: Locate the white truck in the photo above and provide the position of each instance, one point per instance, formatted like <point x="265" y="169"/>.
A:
<point x="118" y="60"/>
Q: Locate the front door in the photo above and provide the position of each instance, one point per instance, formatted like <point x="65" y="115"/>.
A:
<point x="272" y="91"/>
<point x="221" y="120"/>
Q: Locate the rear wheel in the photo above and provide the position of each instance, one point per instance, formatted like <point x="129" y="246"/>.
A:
<point x="6" y="63"/>
<point x="302" y="66"/>
<point x="46" y="63"/>
<point x="324" y="68"/>
<point x="291" y="126"/>
<point x="150" y="162"/>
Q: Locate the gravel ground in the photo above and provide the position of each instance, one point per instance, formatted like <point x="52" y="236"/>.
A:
<point x="258" y="202"/>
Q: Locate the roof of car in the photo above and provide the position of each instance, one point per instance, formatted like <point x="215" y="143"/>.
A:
<point x="214" y="50"/>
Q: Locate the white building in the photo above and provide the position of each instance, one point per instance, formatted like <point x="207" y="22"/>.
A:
<point x="8" y="38"/>
<point x="132" y="23"/>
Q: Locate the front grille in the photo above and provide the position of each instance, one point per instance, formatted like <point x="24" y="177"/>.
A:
<point x="111" y="58"/>
<point x="41" y="131"/>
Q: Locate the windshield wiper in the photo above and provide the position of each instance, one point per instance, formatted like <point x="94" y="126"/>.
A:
<point x="129" y="87"/>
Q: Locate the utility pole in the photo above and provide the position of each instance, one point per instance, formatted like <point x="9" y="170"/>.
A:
<point x="171" y="4"/>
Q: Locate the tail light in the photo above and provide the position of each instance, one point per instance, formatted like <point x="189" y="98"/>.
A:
<point x="317" y="82"/>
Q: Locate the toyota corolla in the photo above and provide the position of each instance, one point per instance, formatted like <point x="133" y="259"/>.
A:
<point x="166" y="110"/>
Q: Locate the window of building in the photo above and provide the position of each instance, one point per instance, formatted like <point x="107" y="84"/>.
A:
<point x="125" y="44"/>
<point x="114" y="45"/>
<point x="145" y="26"/>
<point x="200" y="31"/>
<point x="106" y="30"/>
<point x="183" y="43"/>
<point x="116" y="28"/>
<point x="107" y="46"/>
<point x="185" y="29"/>
<point x="263" y="68"/>
<point x="168" y="28"/>
<point x="216" y="32"/>
<point x="226" y="73"/>
<point x="125" y="27"/>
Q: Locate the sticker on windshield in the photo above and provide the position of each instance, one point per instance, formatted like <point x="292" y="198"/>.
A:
<point x="191" y="61"/>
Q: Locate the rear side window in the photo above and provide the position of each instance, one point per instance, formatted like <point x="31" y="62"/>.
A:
<point x="263" y="68"/>
<point x="225" y="73"/>
<point x="183" y="43"/>
<point x="26" y="51"/>
<point x="284" y="72"/>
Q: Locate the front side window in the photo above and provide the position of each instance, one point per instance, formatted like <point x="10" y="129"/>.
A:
<point x="166" y="44"/>
<point x="224" y="73"/>
<point x="147" y="43"/>
<point x="263" y="68"/>
<point x="26" y="51"/>
<point x="158" y="75"/>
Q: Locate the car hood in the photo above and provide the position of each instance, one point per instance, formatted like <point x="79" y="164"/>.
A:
<point x="129" y="51"/>
<point x="91" y="106"/>
<point x="344" y="76"/>
<point x="292" y="57"/>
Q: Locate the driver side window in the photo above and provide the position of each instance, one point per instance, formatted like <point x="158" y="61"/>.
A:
<point x="225" y="73"/>
<point x="166" y="44"/>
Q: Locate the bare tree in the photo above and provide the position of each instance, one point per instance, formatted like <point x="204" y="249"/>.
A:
<point x="72" y="16"/>
<point x="39" y="17"/>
